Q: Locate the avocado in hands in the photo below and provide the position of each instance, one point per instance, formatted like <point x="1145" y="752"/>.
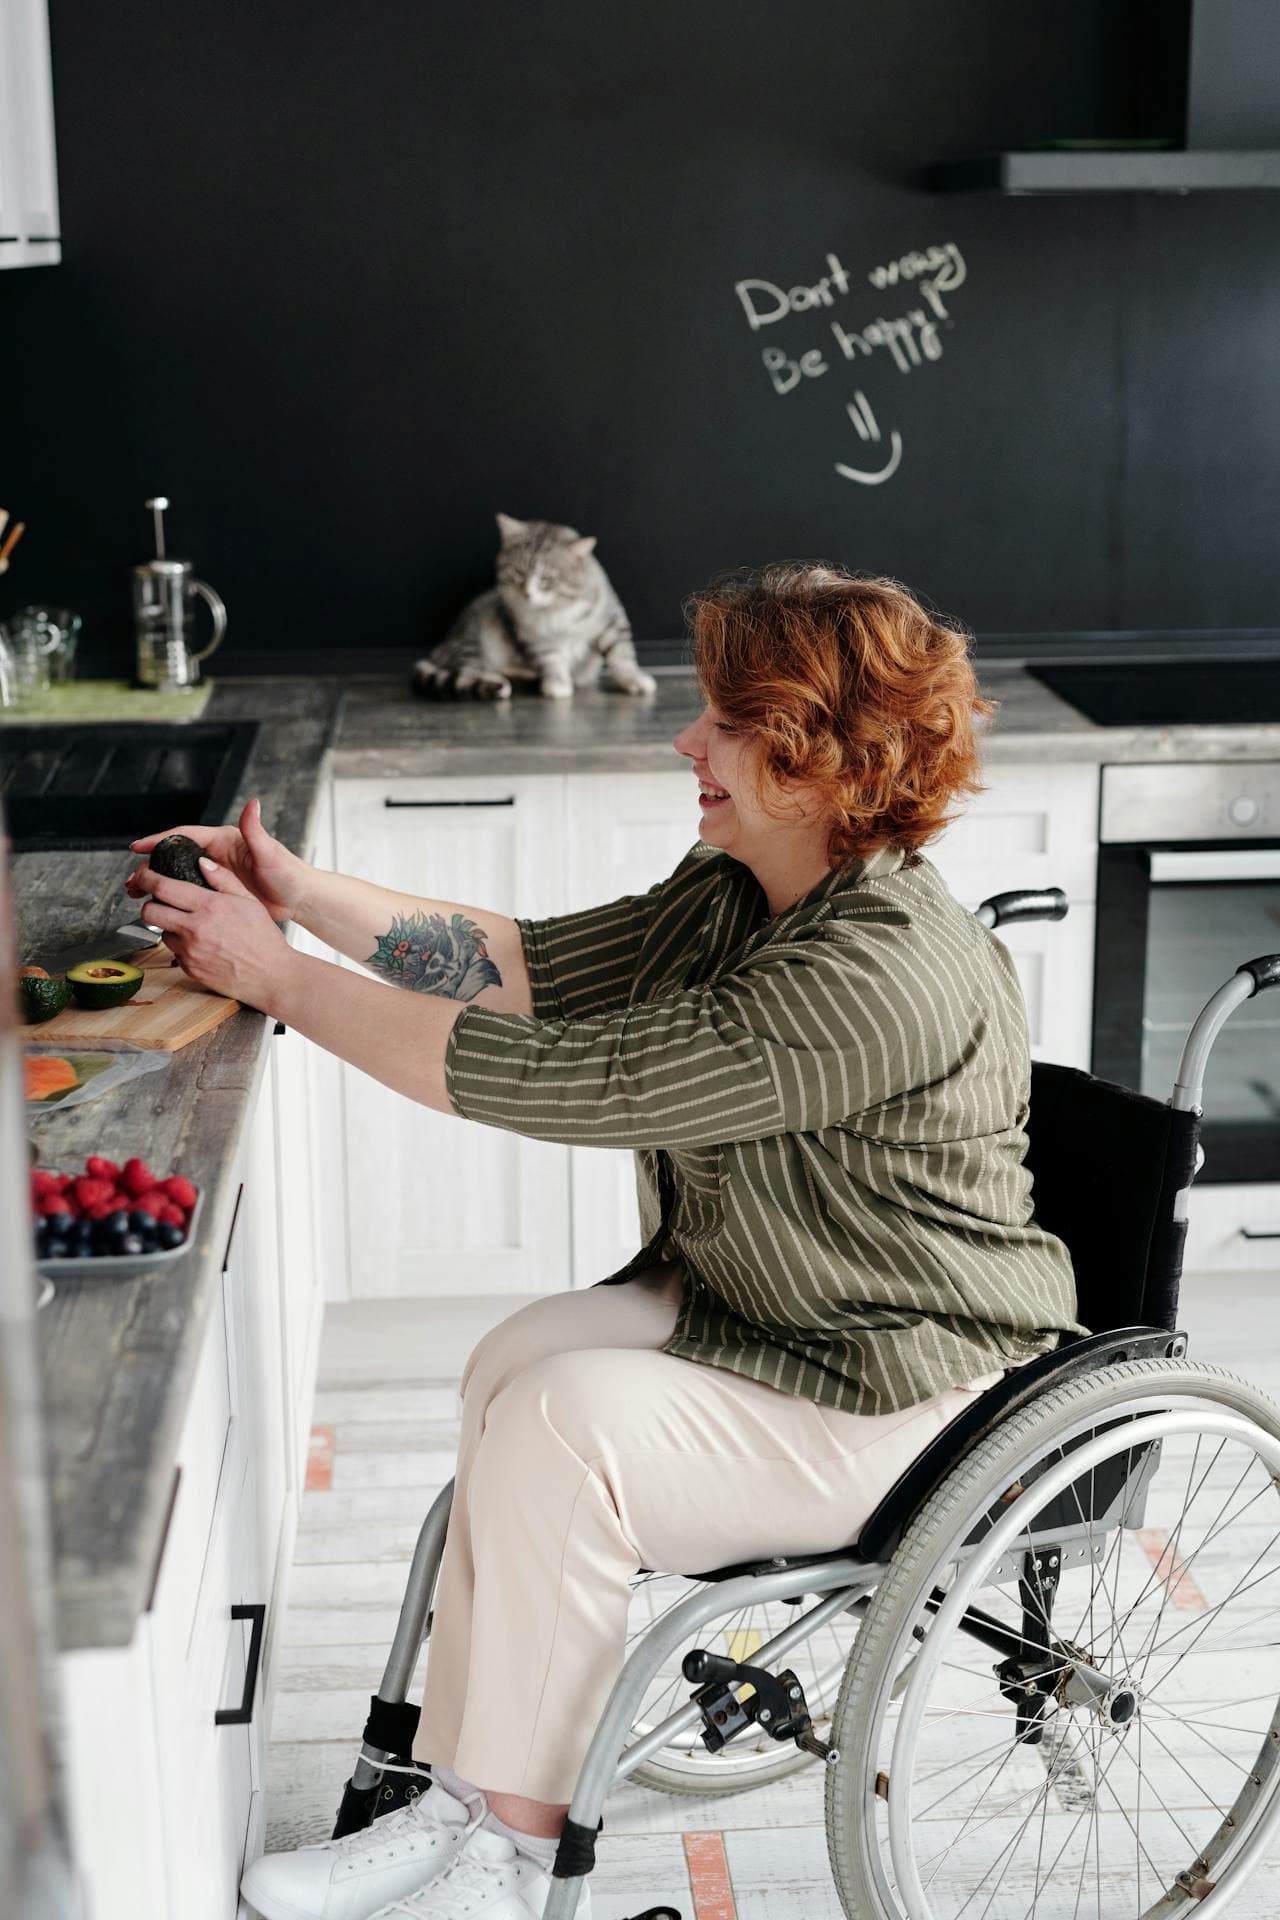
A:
<point x="39" y="997"/>
<point x="104" y="983"/>
<point x="177" y="857"/>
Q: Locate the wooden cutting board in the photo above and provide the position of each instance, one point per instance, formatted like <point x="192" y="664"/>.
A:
<point x="167" y="1012"/>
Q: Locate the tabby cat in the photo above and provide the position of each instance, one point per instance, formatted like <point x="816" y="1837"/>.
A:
<point x="553" y="617"/>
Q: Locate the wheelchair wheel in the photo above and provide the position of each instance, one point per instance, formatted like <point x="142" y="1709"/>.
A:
<point x="1090" y="1725"/>
<point x="684" y="1765"/>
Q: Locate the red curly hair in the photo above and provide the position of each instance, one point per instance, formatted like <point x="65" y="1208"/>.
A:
<point x="850" y="687"/>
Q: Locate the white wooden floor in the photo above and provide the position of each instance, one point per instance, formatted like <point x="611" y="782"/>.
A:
<point x="384" y="1431"/>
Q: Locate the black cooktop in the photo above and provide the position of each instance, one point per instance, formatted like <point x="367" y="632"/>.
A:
<point x="1160" y="693"/>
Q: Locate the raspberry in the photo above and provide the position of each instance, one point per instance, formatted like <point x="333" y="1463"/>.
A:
<point x="101" y="1210"/>
<point x="61" y="1181"/>
<point x="180" y="1191"/>
<point x="171" y="1216"/>
<point x="101" y="1169"/>
<point x="42" y="1183"/>
<point x="137" y="1177"/>
<point x="53" y="1203"/>
<point x="89" y="1191"/>
<point x="151" y="1202"/>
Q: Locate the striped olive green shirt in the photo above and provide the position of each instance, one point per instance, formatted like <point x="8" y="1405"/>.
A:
<point x="827" y="1110"/>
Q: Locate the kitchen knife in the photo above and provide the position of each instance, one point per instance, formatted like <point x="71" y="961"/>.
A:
<point x="120" y="945"/>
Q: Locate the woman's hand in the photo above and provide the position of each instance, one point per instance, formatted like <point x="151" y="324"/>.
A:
<point x="222" y="935"/>
<point x="265" y="868"/>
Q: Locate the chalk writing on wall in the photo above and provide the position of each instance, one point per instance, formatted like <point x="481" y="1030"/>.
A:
<point x="909" y="339"/>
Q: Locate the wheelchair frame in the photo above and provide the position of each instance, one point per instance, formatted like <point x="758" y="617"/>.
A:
<point x="837" y="1582"/>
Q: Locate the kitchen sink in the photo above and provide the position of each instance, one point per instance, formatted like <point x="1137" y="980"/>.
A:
<point x="1168" y="693"/>
<point x="100" y="785"/>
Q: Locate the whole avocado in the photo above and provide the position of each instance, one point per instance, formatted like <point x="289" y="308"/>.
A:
<point x="40" y="997"/>
<point x="178" y="858"/>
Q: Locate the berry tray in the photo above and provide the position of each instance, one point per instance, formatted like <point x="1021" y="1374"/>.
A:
<point x="119" y="1266"/>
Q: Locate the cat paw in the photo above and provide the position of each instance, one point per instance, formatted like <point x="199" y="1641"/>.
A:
<point x="485" y="686"/>
<point x="557" y="689"/>
<point x="430" y="682"/>
<point x="638" y="683"/>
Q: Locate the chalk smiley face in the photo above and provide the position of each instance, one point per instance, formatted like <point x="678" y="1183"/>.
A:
<point x="859" y="411"/>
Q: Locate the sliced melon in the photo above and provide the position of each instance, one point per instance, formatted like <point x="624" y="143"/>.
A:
<point x="47" y="1074"/>
<point x="104" y="983"/>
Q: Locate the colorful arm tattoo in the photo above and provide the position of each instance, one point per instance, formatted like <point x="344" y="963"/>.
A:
<point x="429" y="954"/>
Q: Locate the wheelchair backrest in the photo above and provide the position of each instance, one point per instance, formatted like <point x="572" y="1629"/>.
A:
<point x="1107" y="1166"/>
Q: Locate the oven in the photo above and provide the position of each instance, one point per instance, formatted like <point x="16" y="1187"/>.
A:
<point x="1188" y="888"/>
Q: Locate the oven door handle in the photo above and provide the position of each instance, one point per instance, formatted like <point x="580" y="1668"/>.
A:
<point x="1229" y="863"/>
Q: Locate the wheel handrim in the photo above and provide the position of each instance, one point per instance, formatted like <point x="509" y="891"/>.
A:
<point x="1224" y="1748"/>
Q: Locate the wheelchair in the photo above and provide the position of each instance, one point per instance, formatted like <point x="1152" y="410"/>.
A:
<point x="1044" y="1684"/>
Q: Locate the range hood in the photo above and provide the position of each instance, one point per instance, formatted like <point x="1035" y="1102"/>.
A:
<point x="1232" y="122"/>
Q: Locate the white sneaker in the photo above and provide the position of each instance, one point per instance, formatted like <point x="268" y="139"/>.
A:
<point x="488" y="1878"/>
<point x="351" y="1878"/>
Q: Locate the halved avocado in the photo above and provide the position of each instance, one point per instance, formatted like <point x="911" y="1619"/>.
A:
<point x="104" y="983"/>
<point x="39" y="997"/>
<point x="178" y="858"/>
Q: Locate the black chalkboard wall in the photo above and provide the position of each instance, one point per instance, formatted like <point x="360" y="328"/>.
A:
<point x="343" y="281"/>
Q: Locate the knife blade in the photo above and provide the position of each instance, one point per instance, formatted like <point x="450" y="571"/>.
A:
<point x="119" y="945"/>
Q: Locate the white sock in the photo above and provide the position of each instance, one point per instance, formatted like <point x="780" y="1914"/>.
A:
<point x="455" y="1784"/>
<point x="541" y="1851"/>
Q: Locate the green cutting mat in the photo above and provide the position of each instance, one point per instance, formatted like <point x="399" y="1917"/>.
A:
<point x="109" y="700"/>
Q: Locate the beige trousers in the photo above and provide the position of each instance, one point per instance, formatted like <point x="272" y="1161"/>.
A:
<point x="587" y="1453"/>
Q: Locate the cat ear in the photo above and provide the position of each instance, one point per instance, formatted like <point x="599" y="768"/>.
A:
<point x="511" y="529"/>
<point x="586" y="545"/>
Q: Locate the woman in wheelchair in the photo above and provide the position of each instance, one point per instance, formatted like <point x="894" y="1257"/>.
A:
<point x="820" y="1060"/>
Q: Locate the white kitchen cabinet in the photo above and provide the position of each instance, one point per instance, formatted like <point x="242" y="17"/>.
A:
<point x="167" y="1808"/>
<point x="29" y="234"/>
<point x="1036" y="826"/>
<point x="434" y="1206"/>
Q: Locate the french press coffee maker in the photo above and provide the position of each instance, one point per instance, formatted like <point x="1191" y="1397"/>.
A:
<point x="164" y="620"/>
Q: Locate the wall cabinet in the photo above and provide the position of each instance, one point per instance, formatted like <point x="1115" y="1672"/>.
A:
<point x="435" y="1208"/>
<point x="29" y="234"/>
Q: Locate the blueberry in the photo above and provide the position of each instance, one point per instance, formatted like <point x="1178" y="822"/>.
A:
<point x="131" y="1243"/>
<point x="56" y="1248"/>
<point x="82" y="1237"/>
<point x="142" y="1221"/>
<point x="117" y="1223"/>
<point x="42" y="1234"/>
<point x="169" y="1235"/>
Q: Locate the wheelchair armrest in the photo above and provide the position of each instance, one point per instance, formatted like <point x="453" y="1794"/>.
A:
<point x="887" y="1524"/>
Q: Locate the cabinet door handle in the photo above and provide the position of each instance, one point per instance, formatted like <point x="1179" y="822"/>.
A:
<point x="241" y="1716"/>
<point x="508" y="800"/>
<point x="1260" y="1233"/>
<point x="231" y="1231"/>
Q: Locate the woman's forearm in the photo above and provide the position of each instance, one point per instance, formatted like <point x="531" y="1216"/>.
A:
<point x="431" y="947"/>
<point x="396" y="1038"/>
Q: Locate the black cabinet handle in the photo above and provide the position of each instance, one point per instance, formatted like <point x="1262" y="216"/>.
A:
<point x="278" y="1029"/>
<point x="390" y="801"/>
<point x="231" y="1231"/>
<point x="241" y="1716"/>
<point x="1260" y="1233"/>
